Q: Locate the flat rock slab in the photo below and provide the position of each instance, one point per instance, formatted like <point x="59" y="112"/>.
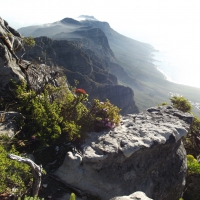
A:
<point x="144" y="154"/>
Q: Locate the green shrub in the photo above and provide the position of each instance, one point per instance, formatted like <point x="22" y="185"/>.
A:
<point x="72" y="196"/>
<point x="181" y="103"/>
<point x="193" y="165"/>
<point x="29" y="41"/>
<point x="15" y="176"/>
<point x="41" y="112"/>
<point x="56" y="112"/>
<point x="163" y="104"/>
<point x="30" y="198"/>
<point x="105" y="114"/>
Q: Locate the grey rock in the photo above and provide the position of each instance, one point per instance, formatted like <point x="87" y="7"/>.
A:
<point x="144" y="154"/>
<point x="134" y="196"/>
<point x="13" y="67"/>
<point x="10" y="42"/>
<point x="8" y="123"/>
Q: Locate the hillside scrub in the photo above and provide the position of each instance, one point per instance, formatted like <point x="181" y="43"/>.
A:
<point x="53" y="115"/>
<point x="16" y="178"/>
<point x="58" y="111"/>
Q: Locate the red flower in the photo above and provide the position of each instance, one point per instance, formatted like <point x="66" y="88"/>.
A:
<point x="80" y="91"/>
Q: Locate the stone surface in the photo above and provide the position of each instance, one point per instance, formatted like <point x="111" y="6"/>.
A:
<point x="10" y="41"/>
<point x="14" y="67"/>
<point x="144" y="154"/>
<point x="134" y="196"/>
<point x="8" y="123"/>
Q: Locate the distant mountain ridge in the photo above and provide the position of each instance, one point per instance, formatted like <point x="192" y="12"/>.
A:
<point x="128" y="59"/>
<point x="60" y="30"/>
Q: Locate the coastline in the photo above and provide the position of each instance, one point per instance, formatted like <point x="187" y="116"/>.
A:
<point x="171" y="72"/>
<point x="168" y="78"/>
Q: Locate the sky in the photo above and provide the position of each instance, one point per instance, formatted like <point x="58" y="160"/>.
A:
<point x="169" y="25"/>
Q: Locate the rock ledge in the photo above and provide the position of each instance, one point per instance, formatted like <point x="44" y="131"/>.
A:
<point x="144" y="154"/>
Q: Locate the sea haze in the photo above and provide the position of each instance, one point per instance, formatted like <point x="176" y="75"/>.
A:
<point x="181" y="70"/>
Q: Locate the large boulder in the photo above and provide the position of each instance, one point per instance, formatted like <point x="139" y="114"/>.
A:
<point x="144" y="154"/>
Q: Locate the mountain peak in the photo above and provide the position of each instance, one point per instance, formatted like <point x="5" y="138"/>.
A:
<point x="86" y="17"/>
<point x="70" y="21"/>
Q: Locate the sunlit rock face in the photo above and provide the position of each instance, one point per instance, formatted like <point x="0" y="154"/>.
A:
<point x="10" y="42"/>
<point x="144" y="153"/>
<point x="15" y="67"/>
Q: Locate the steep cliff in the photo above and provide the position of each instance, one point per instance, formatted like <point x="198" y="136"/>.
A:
<point x="13" y="67"/>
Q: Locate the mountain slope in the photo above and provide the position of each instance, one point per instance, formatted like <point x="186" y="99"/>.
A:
<point x="85" y="66"/>
<point x="131" y="61"/>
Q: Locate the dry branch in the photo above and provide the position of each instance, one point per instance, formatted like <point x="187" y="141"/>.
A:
<point x="36" y="171"/>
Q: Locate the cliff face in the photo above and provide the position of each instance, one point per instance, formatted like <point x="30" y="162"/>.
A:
<point x="10" y="42"/>
<point x="94" y="39"/>
<point x="86" y="66"/>
<point x="13" y="67"/>
<point x="144" y="154"/>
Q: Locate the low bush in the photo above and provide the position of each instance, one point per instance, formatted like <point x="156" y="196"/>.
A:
<point x="193" y="165"/>
<point x="15" y="177"/>
<point x="57" y="111"/>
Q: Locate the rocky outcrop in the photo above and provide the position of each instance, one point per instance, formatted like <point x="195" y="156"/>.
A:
<point x="96" y="40"/>
<point x="10" y="42"/>
<point x="144" y="154"/>
<point x="14" y="67"/>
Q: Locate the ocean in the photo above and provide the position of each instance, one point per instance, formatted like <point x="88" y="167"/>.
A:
<point x="181" y="70"/>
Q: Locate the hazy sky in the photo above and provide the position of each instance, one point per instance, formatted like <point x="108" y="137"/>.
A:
<point x="159" y="21"/>
<point x="166" y="24"/>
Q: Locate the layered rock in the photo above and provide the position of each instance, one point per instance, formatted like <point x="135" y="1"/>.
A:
<point x="10" y="42"/>
<point x="144" y="154"/>
<point x="14" y="67"/>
